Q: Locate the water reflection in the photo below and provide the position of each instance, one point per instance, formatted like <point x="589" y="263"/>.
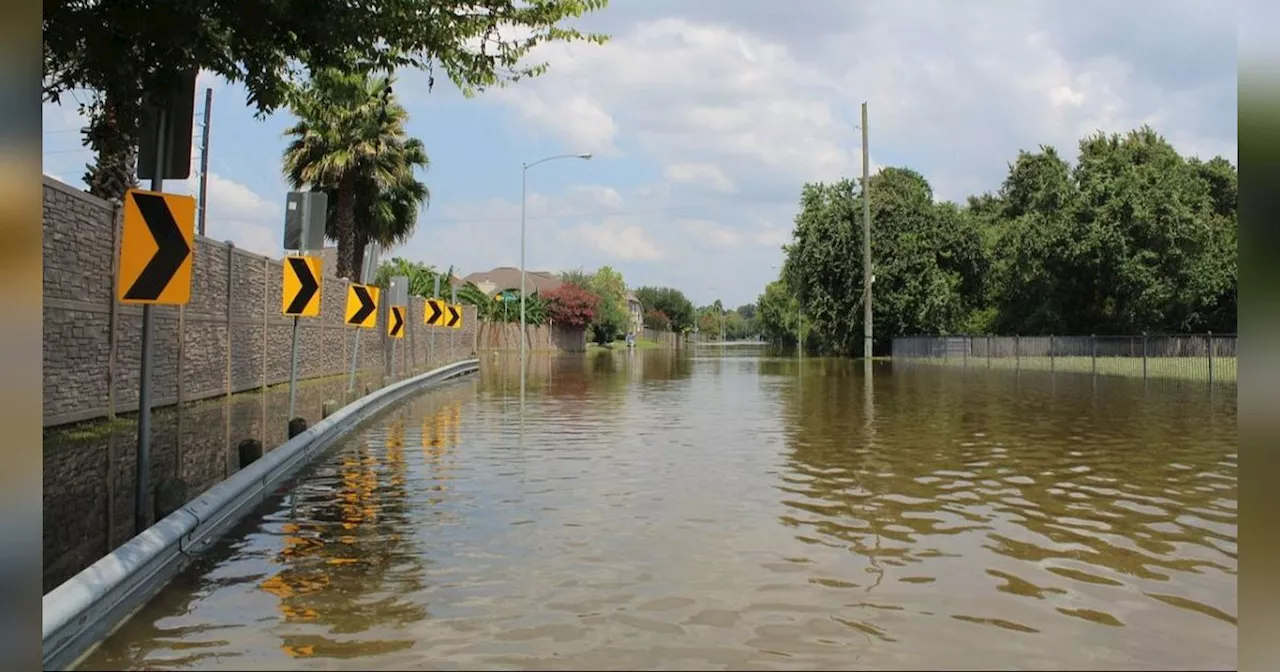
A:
<point x="1105" y="510"/>
<point x="666" y="510"/>
<point x="91" y="513"/>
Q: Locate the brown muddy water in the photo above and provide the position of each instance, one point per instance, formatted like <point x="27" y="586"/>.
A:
<point x="727" y="510"/>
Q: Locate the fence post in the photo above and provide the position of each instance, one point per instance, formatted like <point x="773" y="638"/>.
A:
<point x="968" y="343"/>
<point x="1093" y="352"/>
<point x="1017" y="352"/>
<point x="1209" y="340"/>
<point x="988" y="351"/>
<point x="1144" y="355"/>
<point x="1051" y="361"/>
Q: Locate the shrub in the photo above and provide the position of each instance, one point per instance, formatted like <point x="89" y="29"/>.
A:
<point x="571" y="305"/>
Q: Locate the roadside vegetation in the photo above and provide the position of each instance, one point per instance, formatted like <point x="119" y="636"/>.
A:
<point x="1131" y="238"/>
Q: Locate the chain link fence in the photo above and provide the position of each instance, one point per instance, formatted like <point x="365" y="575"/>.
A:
<point x="1206" y="357"/>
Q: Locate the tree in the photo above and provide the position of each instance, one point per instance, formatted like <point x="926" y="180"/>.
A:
<point x="422" y="278"/>
<point x="124" y="49"/>
<point x="670" y="302"/>
<point x="572" y="306"/>
<point x="386" y="214"/>
<point x="736" y="327"/>
<point x="1133" y="238"/>
<point x="657" y="320"/>
<point x="350" y="141"/>
<point x="711" y="320"/>
<point x="611" y="316"/>
<point x="577" y="278"/>
<point x="779" y="313"/>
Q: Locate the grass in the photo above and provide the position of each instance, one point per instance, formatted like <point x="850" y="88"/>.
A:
<point x="1181" y="368"/>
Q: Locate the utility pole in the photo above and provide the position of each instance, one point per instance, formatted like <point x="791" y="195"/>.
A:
<point x="866" y="239"/>
<point x="204" y="160"/>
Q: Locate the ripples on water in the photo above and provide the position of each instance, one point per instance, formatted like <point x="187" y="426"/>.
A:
<point x="645" y="511"/>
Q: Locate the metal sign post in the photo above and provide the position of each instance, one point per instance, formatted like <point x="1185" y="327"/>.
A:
<point x="431" y="347"/>
<point x="304" y="232"/>
<point x="142" y="477"/>
<point x="453" y="299"/>
<point x="162" y="153"/>
<point x="370" y="262"/>
<point x="397" y="295"/>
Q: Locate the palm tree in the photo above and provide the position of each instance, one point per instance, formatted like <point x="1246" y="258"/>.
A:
<point x="350" y="141"/>
<point x="422" y="277"/>
<point x="113" y="171"/>
<point x="388" y="214"/>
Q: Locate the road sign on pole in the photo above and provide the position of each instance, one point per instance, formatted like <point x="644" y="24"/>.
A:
<point x="156" y="253"/>
<point x="164" y="143"/>
<point x="156" y="248"/>
<point x="304" y="219"/>
<point x="397" y="297"/>
<point x="301" y="295"/>
<point x="363" y="300"/>
<point x="433" y="314"/>
<point x="455" y="317"/>
<point x="362" y="306"/>
<point x="395" y="322"/>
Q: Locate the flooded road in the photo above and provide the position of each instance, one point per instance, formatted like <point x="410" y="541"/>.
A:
<point x="649" y="510"/>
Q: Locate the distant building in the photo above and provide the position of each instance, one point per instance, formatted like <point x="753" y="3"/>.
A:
<point x="636" y="311"/>
<point x="506" y="278"/>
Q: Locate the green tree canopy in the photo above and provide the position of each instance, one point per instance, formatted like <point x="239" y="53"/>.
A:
<point x="611" y="316"/>
<point x="125" y="49"/>
<point x="350" y="141"/>
<point x="1133" y="238"/>
<point x="670" y="302"/>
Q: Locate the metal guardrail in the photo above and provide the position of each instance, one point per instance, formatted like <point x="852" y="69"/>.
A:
<point x="85" y="609"/>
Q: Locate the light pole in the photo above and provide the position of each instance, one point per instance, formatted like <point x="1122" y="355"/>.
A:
<point x="524" y="181"/>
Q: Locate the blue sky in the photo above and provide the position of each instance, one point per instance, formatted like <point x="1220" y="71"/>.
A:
<point x="706" y="118"/>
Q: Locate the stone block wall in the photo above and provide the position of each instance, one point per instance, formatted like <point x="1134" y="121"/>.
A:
<point x="541" y="337"/>
<point x="231" y="337"/>
<point x="228" y="348"/>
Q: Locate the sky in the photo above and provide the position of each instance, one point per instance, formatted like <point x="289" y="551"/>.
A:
<point x="706" y="118"/>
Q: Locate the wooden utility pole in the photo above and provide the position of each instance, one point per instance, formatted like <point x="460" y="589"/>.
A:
<point x="866" y="239"/>
<point x="204" y="160"/>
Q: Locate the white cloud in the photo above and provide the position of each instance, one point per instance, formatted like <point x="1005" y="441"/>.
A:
<point x="238" y="213"/>
<point x="616" y="239"/>
<point x="733" y="97"/>
<point x="705" y="174"/>
<point x="711" y="233"/>
<point x="727" y="107"/>
<point x="771" y="235"/>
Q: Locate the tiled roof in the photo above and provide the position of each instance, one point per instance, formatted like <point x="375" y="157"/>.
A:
<point x="506" y="277"/>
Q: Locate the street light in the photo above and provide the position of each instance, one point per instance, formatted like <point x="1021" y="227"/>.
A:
<point x="524" y="181"/>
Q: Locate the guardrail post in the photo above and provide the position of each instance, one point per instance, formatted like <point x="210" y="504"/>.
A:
<point x="1144" y="355"/>
<point x="1209" y="343"/>
<point x="1093" y="352"/>
<point x="1051" y="360"/>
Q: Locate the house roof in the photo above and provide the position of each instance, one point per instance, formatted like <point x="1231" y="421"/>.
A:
<point x="506" y="277"/>
<point x="631" y="296"/>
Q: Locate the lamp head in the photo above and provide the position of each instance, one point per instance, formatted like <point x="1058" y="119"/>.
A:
<point x="585" y="156"/>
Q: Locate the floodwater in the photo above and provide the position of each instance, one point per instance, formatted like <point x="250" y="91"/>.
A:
<point x="727" y="510"/>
